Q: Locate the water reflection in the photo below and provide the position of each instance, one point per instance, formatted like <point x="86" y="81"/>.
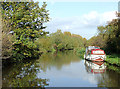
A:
<point x="95" y="67"/>
<point x="63" y="69"/>
<point x="22" y="75"/>
<point x="26" y="74"/>
<point x="59" y="60"/>
<point x="105" y="77"/>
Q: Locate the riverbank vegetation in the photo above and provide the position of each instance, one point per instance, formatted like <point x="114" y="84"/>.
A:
<point x="113" y="59"/>
<point x="59" y="41"/>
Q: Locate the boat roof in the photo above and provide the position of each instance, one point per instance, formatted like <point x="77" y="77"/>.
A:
<point x="93" y="47"/>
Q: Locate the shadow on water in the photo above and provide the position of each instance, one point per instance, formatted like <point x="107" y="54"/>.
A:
<point x="62" y="69"/>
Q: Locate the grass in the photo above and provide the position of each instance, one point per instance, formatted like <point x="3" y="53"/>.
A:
<point x="113" y="59"/>
<point x="114" y="68"/>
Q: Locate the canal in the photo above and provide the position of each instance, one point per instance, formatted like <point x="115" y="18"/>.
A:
<point x="62" y="69"/>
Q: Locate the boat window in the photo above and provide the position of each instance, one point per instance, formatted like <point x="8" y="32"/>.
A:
<point x="93" y="47"/>
<point x="97" y="47"/>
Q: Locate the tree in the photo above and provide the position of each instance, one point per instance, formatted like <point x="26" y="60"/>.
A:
<point x="7" y="39"/>
<point x="26" y="20"/>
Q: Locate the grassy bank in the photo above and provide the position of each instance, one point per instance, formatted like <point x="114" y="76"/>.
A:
<point x="112" y="67"/>
<point x="113" y="59"/>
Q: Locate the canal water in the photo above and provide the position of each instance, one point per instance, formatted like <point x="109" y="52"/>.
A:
<point x="62" y="69"/>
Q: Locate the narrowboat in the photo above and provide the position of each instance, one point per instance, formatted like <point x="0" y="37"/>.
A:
<point x="94" y="53"/>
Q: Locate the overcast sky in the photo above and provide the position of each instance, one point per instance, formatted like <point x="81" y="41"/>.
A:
<point x="80" y="17"/>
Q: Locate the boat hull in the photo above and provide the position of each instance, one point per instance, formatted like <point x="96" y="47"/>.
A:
<point x="96" y="57"/>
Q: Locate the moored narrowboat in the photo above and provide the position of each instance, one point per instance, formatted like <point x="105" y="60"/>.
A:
<point x="94" y="53"/>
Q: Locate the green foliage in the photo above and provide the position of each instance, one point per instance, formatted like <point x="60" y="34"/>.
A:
<point x="24" y="50"/>
<point x="97" y="41"/>
<point x="26" y="20"/>
<point x="45" y="44"/>
<point x="80" y="52"/>
<point x="113" y="59"/>
<point x="114" y="68"/>
<point x="60" y="41"/>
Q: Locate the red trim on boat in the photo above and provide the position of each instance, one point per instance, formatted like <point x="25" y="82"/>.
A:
<point x="99" y="59"/>
<point x="97" y="53"/>
<point x="98" y="63"/>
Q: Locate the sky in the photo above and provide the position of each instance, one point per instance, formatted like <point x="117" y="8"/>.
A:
<point x="80" y="18"/>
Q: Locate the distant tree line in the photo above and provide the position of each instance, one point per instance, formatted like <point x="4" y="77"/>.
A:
<point x="59" y="41"/>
